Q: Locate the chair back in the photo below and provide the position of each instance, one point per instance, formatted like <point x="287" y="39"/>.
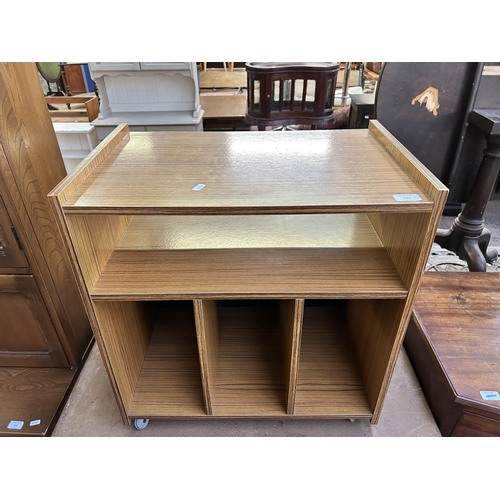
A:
<point x="286" y="93"/>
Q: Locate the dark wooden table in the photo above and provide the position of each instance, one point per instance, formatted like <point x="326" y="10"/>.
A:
<point x="453" y="342"/>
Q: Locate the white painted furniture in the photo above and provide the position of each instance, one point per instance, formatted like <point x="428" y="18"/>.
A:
<point x="76" y="141"/>
<point x="148" y="96"/>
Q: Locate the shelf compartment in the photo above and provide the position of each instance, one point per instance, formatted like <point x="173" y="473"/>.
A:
<point x="329" y="381"/>
<point x="246" y="362"/>
<point x="185" y="257"/>
<point x="154" y="351"/>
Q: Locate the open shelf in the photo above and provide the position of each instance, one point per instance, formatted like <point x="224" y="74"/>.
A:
<point x="249" y="275"/>
<point x="250" y="374"/>
<point x="169" y="380"/>
<point x="329" y="378"/>
<point x="329" y="255"/>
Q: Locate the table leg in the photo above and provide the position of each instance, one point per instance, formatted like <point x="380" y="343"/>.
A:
<point x="468" y="237"/>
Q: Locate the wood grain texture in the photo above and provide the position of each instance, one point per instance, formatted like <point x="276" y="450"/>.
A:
<point x="86" y="112"/>
<point x="319" y="255"/>
<point x="375" y="327"/>
<point x="303" y="173"/>
<point x="111" y="144"/>
<point x="125" y="328"/>
<point x="222" y="79"/>
<point x="329" y="378"/>
<point x="434" y="383"/>
<point x="32" y="394"/>
<point x="402" y="236"/>
<point x="338" y="233"/>
<point x="223" y="106"/>
<point x="94" y="239"/>
<point x="56" y="198"/>
<point x="291" y="314"/>
<point x="460" y="316"/>
<point x="170" y="380"/>
<point x="250" y="373"/>
<point x="474" y="423"/>
<point x="245" y="273"/>
<point x="425" y="179"/>
<point x="31" y="165"/>
<point x="10" y="253"/>
<point x="184" y="232"/>
<point x="27" y="334"/>
<point x="207" y="333"/>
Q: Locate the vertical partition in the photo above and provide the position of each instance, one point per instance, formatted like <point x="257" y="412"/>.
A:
<point x="291" y="313"/>
<point x="205" y="313"/>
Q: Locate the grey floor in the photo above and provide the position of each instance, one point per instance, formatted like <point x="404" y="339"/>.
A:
<point x="91" y="409"/>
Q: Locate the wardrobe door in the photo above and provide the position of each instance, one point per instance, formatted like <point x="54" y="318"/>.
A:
<point x="27" y="335"/>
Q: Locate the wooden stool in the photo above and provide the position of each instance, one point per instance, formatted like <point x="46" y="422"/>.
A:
<point x="453" y="342"/>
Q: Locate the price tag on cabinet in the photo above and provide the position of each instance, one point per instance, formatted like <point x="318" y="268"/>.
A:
<point x="490" y="395"/>
<point x="407" y="197"/>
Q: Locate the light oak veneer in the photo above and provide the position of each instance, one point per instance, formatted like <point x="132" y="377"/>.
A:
<point x="280" y="289"/>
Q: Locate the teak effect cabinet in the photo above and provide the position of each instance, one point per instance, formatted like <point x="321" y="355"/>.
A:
<point x="249" y="274"/>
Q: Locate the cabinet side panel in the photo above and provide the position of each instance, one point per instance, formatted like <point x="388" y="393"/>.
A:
<point x="405" y="237"/>
<point x="125" y="328"/>
<point x="94" y="239"/>
<point x="291" y="313"/>
<point x="425" y="179"/>
<point x="374" y="326"/>
<point x="113" y="142"/>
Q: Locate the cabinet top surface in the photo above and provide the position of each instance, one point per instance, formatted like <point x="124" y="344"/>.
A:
<point x="248" y="172"/>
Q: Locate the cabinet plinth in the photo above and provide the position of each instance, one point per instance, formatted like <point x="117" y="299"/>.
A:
<point x="251" y="275"/>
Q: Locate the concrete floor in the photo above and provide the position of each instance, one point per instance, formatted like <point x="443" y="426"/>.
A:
<point x="91" y="409"/>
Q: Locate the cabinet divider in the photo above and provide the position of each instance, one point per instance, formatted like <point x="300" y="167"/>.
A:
<point x="207" y="334"/>
<point x="291" y="315"/>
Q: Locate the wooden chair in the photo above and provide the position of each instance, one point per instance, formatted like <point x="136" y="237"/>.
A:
<point x="282" y="94"/>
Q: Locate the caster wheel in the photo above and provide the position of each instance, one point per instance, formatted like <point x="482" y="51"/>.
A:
<point x="352" y="419"/>
<point x="141" y="423"/>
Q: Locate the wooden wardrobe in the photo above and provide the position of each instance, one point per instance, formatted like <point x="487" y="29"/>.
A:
<point x="44" y="330"/>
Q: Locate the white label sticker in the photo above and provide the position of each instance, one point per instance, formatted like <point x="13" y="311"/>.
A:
<point x="35" y="422"/>
<point x="199" y="187"/>
<point x="15" y="424"/>
<point x="490" y="395"/>
<point x="407" y="197"/>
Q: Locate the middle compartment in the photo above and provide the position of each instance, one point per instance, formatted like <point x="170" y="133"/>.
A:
<point x="248" y="352"/>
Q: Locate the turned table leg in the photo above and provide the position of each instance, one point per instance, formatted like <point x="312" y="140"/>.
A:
<point x="468" y="237"/>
